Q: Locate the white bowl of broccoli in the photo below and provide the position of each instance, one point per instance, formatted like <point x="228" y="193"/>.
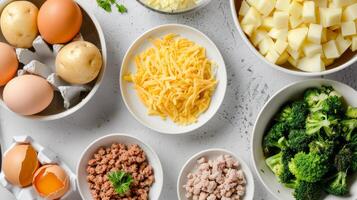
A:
<point x="304" y="143"/>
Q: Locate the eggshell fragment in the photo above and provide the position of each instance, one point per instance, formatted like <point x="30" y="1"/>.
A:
<point x="51" y="182"/>
<point x="8" y="63"/>
<point x="19" y="23"/>
<point x="59" y="21"/>
<point x="28" y="94"/>
<point x="79" y="62"/>
<point x="20" y="164"/>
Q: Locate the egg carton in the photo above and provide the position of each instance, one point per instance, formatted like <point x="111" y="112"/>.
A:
<point x="45" y="156"/>
<point x="41" y="62"/>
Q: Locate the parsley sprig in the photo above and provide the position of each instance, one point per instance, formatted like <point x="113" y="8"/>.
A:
<point x="121" y="181"/>
<point x="107" y="5"/>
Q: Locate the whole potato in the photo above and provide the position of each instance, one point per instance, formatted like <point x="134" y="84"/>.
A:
<point x="79" y="62"/>
<point x="19" y="23"/>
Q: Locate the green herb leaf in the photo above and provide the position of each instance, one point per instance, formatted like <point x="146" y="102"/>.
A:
<point x="121" y="8"/>
<point x="121" y="181"/>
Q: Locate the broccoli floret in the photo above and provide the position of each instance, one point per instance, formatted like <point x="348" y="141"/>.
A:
<point x="271" y="139"/>
<point x="353" y="146"/>
<point x="279" y="164"/>
<point x="309" y="167"/>
<point x="298" y="140"/>
<point x="305" y="190"/>
<point x="294" y="115"/>
<point x="351" y="112"/>
<point x="313" y="96"/>
<point x="337" y="185"/>
<point x="316" y="121"/>
<point x="322" y="147"/>
<point x="348" y="126"/>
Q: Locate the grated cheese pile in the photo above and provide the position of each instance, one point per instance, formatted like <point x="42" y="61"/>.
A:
<point x="174" y="79"/>
<point x="171" y="5"/>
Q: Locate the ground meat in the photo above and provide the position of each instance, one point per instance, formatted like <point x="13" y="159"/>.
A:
<point x="216" y="179"/>
<point x="128" y="158"/>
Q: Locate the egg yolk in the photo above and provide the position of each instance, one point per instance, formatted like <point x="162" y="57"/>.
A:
<point x="48" y="183"/>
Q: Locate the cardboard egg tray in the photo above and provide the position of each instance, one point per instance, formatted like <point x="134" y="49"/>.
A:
<point x="45" y="156"/>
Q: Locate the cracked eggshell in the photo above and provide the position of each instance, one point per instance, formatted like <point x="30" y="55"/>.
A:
<point x="8" y="63"/>
<point x="51" y="182"/>
<point x="79" y="62"/>
<point x="59" y="21"/>
<point x="20" y="164"/>
<point x="19" y="23"/>
<point x="28" y="94"/>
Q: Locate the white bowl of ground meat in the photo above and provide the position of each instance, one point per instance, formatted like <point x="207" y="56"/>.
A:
<point x="215" y="174"/>
<point x="119" y="153"/>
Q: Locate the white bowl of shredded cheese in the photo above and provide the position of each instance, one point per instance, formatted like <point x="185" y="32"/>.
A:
<point x="182" y="97"/>
<point x="174" y="6"/>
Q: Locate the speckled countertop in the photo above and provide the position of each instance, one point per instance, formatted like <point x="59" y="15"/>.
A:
<point x="250" y="84"/>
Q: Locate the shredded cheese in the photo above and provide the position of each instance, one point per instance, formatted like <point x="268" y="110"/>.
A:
<point x="171" y="5"/>
<point x="174" y="79"/>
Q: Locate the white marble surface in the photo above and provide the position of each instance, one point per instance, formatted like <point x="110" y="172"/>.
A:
<point x="250" y="85"/>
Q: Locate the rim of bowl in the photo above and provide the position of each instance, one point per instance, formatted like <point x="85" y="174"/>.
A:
<point x="258" y="119"/>
<point x="119" y="135"/>
<point x="277" y="67"/>
<point x="98" y="82"/>
<point x="121" y="79"/>
<point x="184" y="11"/>
<point x="240" y="160"/>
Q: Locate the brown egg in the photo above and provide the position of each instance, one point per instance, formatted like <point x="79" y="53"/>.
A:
<point x="20" y="164"/>
<point x="51" y="182"/>
<point x="59" y="21"/>
<point x="28" y="94"/>
<point x="8" y="63"/>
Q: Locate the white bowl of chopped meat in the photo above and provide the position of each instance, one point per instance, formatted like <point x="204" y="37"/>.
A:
<point x="119" y="166"/>
<point x="215" y="174"/>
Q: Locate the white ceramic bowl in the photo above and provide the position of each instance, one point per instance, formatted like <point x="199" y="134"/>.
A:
<point x="152" y="157"/>
<point x="199" y="5"/>
<point x="191" y="165"/>
<point x="92" y="32"/>
<point x="294" y="90"/>
<point x="346" y="60"/>
<point x="131" y="99"/>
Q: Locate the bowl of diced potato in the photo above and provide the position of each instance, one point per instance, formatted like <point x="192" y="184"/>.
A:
<point x="306" y="38"/>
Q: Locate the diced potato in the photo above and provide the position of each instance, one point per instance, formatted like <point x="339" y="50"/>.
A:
<point x="281" y="19"/>
<point x="314" y="34"/>
<point x="311" y="49"/>
<point x="342" y="3"/>
<point x="331" y="35"/>
<point x="244" y="8"/>
<point x="295" y="9"/>
<point x="265" y="6"/>
<point x="324" y="35"/>
<point x="308" y="12"/>
<point x="248" y="29"/>
<point x="252" y="2"/>
<point x="311" y="64"/>
<point x="258" y="36"/>
<point x="348" y="28"/>
<point x="296" y="37"/>
<point x="350" y="12"/>
<point x="283" y="58"/>
<point x="354" y="43"/>
<point x="295" y="22"/>
<point x="330" y="49"/>
<point x="282" y="5"/>
<point x="330" y="16"/>
<point x="294" y="54"/>
<point x="292" y="61"/>
<point x="268" y="23"/>
<point x="327" y="61"/>
<point x="272" y="56"/>
<point x="321" y="3"/>
<point x="252" y="17"/>
<point x="266" y="44"/>
<point x="281" y="34"/>
<point x="280" y="46"/>
<point x="334" y="27"/>
<point x="342" y="44"/>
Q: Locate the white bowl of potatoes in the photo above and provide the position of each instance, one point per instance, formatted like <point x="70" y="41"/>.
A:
<point x="305" y="38"/>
